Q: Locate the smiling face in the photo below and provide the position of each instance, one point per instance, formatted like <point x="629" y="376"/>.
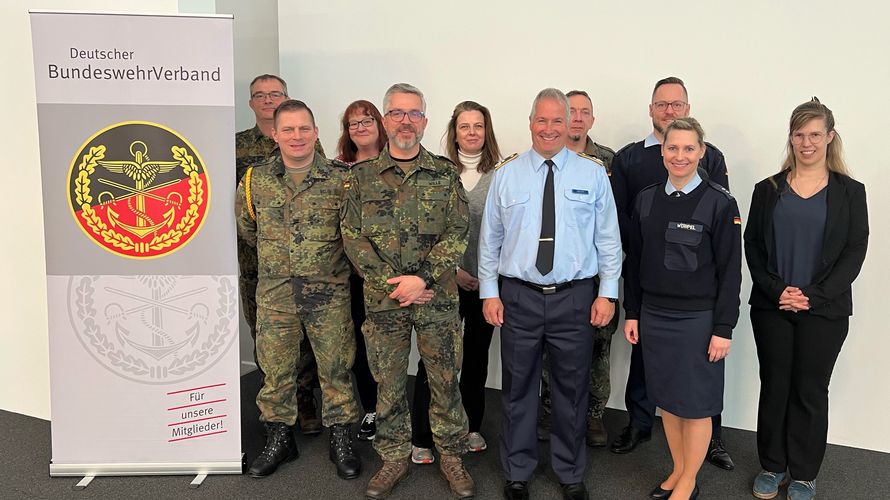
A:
<point x="363" y="136"/>
<point x="681" y="152"/>
<point x="810" y="143"/>
<point x="470" y="135"/>
<point x="548" y="127"/>
<point x="295" y="134"/>
<point x="404" y="136"/>
<point x="264" y="105"/>
<point x="582" y="117"/>
<point x="667" y="94"/>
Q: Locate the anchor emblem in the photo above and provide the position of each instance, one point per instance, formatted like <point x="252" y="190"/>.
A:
<point x="144" y="171"/>
<point x="152" y="194"/>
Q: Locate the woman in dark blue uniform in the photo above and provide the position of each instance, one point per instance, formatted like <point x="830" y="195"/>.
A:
<point x="805" y="244"/>
<point x="682" y="299"/>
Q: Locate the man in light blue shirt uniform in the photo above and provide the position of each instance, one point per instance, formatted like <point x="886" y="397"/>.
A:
<point x="550" y="225"/>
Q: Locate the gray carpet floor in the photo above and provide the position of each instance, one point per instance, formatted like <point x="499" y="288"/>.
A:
<point x="847" y="473"/>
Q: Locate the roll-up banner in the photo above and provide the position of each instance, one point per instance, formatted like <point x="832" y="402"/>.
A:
<point x="136" y="121"/>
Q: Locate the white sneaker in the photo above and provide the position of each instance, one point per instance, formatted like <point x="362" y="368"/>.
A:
<point x="422" y="456"/>
<point x="475" y="442"/>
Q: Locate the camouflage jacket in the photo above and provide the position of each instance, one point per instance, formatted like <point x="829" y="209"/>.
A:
<point x="600" y="152"/>
<point x="252" y="148"/>
<point x="411" y="224"/>
<point x="302" y="265"/>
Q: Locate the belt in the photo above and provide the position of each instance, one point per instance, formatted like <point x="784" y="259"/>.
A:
<point x="548" y="289"/>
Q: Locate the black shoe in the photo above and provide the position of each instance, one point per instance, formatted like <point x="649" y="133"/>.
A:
<point x="368" y="428"/>
<point x="629" y="439"/>
<point x="574" y="491"/>
<point x="516" y="490"/>
<point x="660" y="493"/>
<point x="280" y="447"/>
<point x="544" y="427"/>
<point x="349" y="466"/>
<point x="718" y="455"/>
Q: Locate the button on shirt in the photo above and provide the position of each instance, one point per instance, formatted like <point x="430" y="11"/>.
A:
<point x="587" y="240"/>
<point x="669" y="188"/>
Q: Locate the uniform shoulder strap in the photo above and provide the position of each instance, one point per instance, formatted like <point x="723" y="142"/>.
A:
<point x="247" y="195"/>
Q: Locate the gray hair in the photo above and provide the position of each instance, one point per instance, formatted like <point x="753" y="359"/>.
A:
<point x="556" y="95"/>
<point x="402" y="88"/>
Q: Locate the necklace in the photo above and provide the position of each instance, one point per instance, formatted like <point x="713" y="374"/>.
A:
<point x="796" y="186"/>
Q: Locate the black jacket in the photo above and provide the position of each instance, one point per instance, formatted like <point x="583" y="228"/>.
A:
<point x="843" y="246"/>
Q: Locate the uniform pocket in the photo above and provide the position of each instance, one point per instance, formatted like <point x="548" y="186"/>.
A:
<point x="681" y="246"/>
<point x="431" y="216"/>
<point x="580" y="206"/>
<point x="514" y="204"/>
<point x="324" y="221"/>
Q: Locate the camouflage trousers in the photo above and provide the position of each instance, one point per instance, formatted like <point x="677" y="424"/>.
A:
<point x="600" y="385"/>
<point x="439" y="340"/>
<point x="279" y="336"/>
<point x="307" y="369"/>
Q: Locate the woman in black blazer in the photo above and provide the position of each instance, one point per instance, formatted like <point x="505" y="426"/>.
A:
<point x="805" y="242"/>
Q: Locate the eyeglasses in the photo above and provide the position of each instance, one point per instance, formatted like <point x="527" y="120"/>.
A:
<point x="814" y="137"/>
<point x="675" y="105"/>
<point x="397" y="115"/>
<point x="367" y="122"/>
<point x="261" y="96"/>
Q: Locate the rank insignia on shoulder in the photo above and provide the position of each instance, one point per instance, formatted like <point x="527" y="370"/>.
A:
<point x="507" y="160"/>
<point x="591" y="158"/>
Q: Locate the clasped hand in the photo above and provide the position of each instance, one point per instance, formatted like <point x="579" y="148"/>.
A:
<point x="793" y="299"/>
<point x="410" y="290"/>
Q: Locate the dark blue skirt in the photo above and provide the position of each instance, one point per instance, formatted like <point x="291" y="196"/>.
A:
<point x="679" y="377"/>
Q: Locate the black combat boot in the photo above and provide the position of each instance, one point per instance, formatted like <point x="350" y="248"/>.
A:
<point x="280" y="447"/>
<point x="348" y="464"/>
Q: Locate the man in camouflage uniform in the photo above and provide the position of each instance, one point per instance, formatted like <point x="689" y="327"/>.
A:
<point x="405" y="229"/>
<point x="255" y="146"/>
<point x="582" y="119"/>
<point x="289" y="210"/>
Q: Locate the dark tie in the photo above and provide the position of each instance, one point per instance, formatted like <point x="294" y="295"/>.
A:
<point x="544" y="262"/>
<point x="677" y="194"/>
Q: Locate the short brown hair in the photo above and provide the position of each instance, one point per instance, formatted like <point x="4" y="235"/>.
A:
<point x="671" y="80"/>
<point x="267" y="76"/>
<point x="292" y="105"/>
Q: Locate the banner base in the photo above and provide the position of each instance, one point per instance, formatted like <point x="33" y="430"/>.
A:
<point x="145" y="469"/>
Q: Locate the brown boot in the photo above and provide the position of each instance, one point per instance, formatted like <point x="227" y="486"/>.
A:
<point x="381" y="485"/>
<point x="452" y="469"/>
<point x="597" y="436"/>
<point x="307" y="414"/>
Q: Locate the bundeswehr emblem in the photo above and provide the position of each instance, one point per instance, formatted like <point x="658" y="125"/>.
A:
<point x="138" y="189"/>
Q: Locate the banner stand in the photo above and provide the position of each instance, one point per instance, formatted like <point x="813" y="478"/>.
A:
<point x="136" y="121"/>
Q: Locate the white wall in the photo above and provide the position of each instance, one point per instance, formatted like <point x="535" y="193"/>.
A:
<point x="746" y="66"/>
<point x="24" y="355"/>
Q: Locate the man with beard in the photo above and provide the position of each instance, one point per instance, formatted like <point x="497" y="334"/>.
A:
<point x="405" y="230"/>
<point x="254" y="147"/>
<point x="635" y="167"/>
<point x="580" y="122"/>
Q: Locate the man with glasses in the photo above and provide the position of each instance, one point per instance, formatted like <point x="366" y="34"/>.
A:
<point x="580" y="122"/>
<point x="635" y="167"/>
<point x="405" y="229"/>
<point x="254" y="147"/>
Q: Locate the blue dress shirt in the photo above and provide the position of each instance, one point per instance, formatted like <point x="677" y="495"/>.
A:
<point x="669" y="188"/>
<point x="587" y="241"/>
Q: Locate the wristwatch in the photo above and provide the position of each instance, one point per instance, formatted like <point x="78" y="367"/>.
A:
<point x="610" y="299"/>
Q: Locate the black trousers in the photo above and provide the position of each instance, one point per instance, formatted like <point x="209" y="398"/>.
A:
<point x="797" y="353"/>
<point x="364" y="381"/>
<point x="473" y="374"/>
<point x="640" y="408"/>
<point x="559" y="323"/>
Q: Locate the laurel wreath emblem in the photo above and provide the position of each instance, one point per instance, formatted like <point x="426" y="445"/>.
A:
<point x="86" y="311"/>
<point x="83" y="198"/>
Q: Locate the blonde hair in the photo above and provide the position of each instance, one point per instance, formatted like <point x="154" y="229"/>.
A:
<point x="803" y="114"/>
